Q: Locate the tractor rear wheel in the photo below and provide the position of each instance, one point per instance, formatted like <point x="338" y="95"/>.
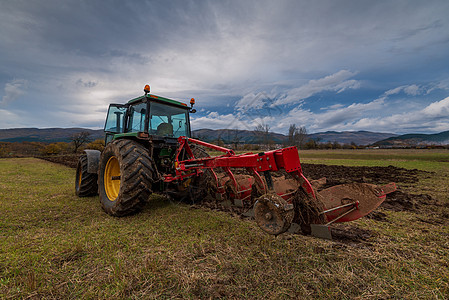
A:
<point x="125" y="178"/>
<point x="85" y="183"/>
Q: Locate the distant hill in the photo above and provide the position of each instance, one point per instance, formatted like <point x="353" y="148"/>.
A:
<point x="45" y="135"/>
<point x="441" y="138"/>
<point x="348" y="137"/>
<point x="232" y="135"/>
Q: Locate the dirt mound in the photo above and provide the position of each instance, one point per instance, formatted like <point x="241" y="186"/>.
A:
<point x="348" y="234"/>
<point x="400" y="201"/>
<point x="69" y="160"/>
<point x="378" y="216"/>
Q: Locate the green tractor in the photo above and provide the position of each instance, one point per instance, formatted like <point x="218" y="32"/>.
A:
<point x="141" y="143"/>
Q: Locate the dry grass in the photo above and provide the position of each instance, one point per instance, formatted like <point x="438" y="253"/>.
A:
<point x="55" y="245"/>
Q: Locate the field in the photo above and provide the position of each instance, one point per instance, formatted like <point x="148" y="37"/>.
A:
<point x="55" y="245"/>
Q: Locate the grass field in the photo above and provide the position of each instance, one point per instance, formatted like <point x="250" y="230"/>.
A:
<point x="55" y="245"/>
<point x="427" y="160"/>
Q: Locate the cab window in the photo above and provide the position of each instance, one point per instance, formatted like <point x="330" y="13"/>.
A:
<point x="136" y="121"/>
<point x="115" y="119"/>
<point x="167" y="120"/>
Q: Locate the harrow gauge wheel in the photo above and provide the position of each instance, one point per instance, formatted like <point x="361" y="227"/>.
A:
<point x="273" y="214"/>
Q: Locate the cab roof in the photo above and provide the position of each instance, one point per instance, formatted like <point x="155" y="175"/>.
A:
<point x="159" y="99"/>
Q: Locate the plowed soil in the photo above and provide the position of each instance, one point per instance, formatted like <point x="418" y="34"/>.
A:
<point x="396" y="201"/>
<point x="69" y="160"/>
<point x="347" y="233"/>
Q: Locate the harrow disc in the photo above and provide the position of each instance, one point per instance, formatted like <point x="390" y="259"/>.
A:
<point x="273" y="214"/>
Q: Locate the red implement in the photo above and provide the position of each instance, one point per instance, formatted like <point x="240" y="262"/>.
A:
<point x="276" y="201"/>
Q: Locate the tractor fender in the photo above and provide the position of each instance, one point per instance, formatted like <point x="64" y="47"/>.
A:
<point x="93" y="160"/>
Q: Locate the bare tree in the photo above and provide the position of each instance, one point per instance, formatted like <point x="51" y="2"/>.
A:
<point x="263" y="132"/>
<point x="301" y="136"/>
<point x="292" y="131"/>
<point x="79" y="139"/>
<point x="297" y="135"/>
<point x="236" y="139"/>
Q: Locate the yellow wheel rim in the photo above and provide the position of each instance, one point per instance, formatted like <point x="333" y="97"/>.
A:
<point x="112" y="178"/>
<point x="80" y="173"/>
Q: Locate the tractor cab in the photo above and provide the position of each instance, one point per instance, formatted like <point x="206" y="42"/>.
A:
<point x="148" y="117"/>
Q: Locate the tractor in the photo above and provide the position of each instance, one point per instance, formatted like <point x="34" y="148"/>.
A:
<point x="149" y="149"/>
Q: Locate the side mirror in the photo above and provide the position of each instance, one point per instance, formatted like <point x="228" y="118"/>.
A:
<point x="193" y="111"/>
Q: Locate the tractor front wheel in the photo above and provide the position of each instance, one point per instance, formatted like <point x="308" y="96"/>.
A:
<point x="125" y="177"/>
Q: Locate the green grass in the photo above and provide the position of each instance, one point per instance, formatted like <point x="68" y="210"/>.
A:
<point x="426" y="160"/>
<point x="55" y="245"/>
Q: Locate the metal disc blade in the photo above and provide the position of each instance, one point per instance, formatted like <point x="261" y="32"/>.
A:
<point x="368" y="196"/>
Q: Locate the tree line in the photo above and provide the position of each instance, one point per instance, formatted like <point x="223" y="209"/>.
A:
<point x="77" y="142"/>
<point x="297" y="136"/>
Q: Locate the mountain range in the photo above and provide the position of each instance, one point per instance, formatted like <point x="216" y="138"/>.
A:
<point x="51" y="135"/>
<point x="45" y="135"/>
<point x="441" y="138"/>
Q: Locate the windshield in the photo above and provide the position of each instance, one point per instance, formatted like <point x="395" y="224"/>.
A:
<point x="167" y="120"/>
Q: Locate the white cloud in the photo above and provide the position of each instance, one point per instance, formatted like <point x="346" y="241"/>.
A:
<point x="214" y="120"/>
<point x="438" y="109"/>
<point x="332" y="119"/>
<point x="254" y="100"/>
<point x="334" y="106"/>
<point x="432" y="118"/>
<point x="337" y="82"/>
<point x="410" y="90"/>
<point x="8" y="119"/>
<point x="13" y="90"/>
<point x="377" y="115"/>
<point x="394" y="91"/>
<point x="251" y="100"/>
<point x="348" y="114"/>
<point x="442" y="85"/>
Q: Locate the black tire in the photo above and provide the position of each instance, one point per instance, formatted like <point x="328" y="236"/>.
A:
<point x="200" y="186"/>
<point x="85" y="183"/>
<point x="125" y="178"/>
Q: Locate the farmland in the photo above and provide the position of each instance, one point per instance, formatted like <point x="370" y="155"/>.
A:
<point x="55" y="245"/>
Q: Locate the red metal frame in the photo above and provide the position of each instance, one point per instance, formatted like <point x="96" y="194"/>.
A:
<point x="274" y="160"/>
<point x="287" y="158"/>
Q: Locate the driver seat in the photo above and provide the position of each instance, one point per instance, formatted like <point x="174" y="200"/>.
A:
<point x="165" y="129"/>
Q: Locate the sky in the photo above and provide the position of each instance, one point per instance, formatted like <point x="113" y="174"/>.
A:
<point x="335" y="65"/>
